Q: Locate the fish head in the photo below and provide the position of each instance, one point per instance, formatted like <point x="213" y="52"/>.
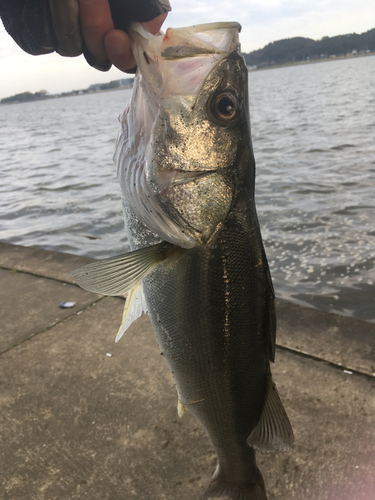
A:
<point x="185" y="128"/>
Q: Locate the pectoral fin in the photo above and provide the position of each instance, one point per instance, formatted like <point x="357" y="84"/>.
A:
<point x="273" y="433"/>
<point x="118" y="275"/>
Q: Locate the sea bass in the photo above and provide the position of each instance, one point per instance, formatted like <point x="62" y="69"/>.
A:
<point x="186" y="168"/>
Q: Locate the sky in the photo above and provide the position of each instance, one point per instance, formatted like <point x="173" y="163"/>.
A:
<point x="263" y="21"/>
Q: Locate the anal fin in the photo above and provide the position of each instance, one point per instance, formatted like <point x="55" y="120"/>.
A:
<point x="273" y="433"/>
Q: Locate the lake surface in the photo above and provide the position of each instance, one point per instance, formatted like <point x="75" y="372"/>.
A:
<point x="313" y="129"/>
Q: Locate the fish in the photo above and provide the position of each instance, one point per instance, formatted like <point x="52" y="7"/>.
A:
<point x="197" y="264"/>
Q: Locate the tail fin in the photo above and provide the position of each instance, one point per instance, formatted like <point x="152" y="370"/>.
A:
<point x="218" y="488"/>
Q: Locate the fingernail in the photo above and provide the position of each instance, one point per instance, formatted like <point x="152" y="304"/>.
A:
<point x="117" y="43"/>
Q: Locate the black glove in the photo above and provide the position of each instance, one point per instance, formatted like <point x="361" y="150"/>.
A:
<point x="44" y="26"/>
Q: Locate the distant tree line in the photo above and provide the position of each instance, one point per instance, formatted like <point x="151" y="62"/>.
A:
<point x="43" y="94"/>
<point x="301" y="49"/>
<point x="26" y="96"/>
<point x="115" y="84"/>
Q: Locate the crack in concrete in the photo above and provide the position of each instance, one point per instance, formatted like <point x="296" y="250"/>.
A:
<point x="15" y="270"/>
<point x="47" y="328"/>
<point x="337" y="366"/>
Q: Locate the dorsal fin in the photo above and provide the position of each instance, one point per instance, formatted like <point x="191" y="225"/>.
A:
<point x="271" y="316"/>
<point x="273" y="433"/>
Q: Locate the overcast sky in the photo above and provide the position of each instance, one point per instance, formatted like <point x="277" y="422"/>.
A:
<point x="263" y="21"/>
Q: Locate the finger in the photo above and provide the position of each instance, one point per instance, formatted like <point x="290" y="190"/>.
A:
<point x="155" y="25"/>
<point x="117" y="44"/>
<point x="96" y="21"/>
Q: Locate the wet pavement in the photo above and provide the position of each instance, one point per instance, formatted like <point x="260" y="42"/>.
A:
<point x="84" y="418"/>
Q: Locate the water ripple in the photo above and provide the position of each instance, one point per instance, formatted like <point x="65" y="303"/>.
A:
<point x="313" y="139"/>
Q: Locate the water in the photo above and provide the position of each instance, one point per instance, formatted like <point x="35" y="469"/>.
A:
<point x="58" y="187"/>
<point x="313" y="129"/>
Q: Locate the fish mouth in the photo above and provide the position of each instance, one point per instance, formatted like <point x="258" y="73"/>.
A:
<point x="173" y="177"/>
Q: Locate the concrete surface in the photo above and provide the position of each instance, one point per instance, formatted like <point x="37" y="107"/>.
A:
<point x="78" y="423"/>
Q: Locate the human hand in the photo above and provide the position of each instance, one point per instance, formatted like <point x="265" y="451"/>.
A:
<point x="104" y="44"/>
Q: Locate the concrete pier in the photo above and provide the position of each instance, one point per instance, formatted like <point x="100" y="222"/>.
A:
<point x="84" y="418"/>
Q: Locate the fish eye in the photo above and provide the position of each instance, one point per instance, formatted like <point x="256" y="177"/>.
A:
<point x="224" y="107"/>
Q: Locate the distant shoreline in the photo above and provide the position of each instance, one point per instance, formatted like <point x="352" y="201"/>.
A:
<point x="271" y="66"/>
<point x="65" y="94"/>
<point x="42" y="95"/>
<point x="311" y="61"/>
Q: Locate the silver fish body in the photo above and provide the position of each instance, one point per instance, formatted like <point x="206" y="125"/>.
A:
<point x="198" y="266"/>
<point x="211" y="319"/>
